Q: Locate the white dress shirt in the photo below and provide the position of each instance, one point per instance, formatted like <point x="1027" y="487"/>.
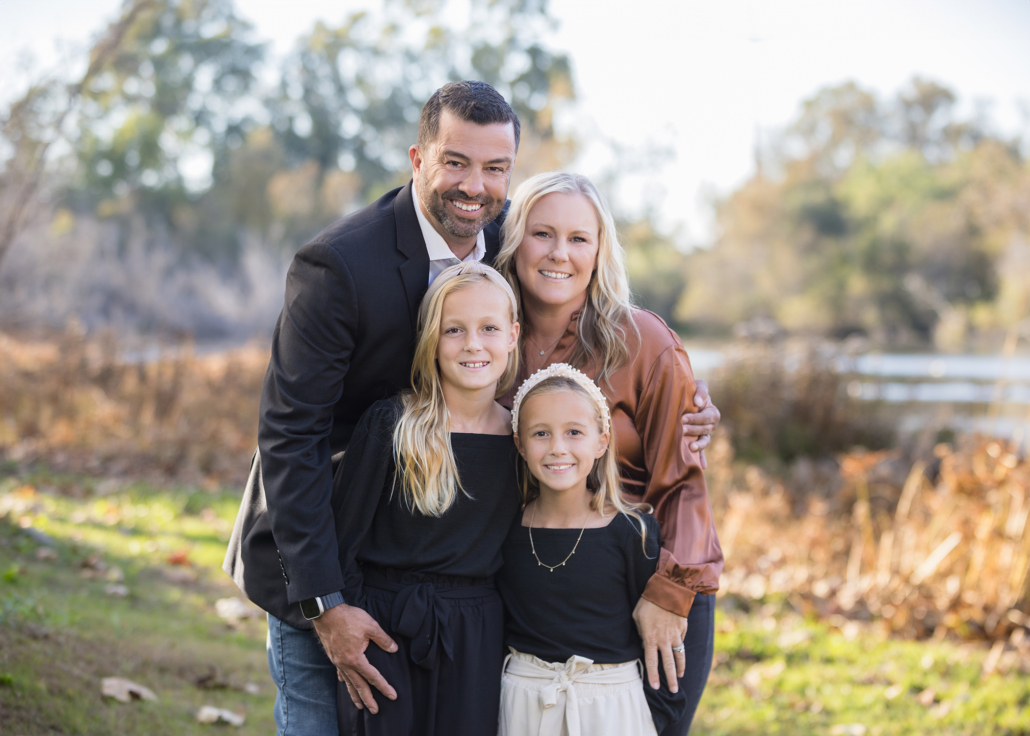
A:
<point x="440" y="254"/>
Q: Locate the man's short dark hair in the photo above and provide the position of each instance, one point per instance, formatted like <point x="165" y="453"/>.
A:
<point x="474" y="102"/>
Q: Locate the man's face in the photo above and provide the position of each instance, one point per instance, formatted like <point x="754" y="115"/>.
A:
<point x="463" y="176"/>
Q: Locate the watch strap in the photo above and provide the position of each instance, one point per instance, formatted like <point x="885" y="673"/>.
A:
<point x="331" y="601"/>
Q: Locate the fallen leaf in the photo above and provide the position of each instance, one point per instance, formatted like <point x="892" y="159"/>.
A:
<point x="234" y="609"/>
<point x="210" y="714"/>
<point x="892" y="692"/>
<point x="179" y="557"/>
<point x="94" y="562"/>
<point x="927" y="697"/>
<point x="252" y="688"/>
<point x="25" y="492"/>
<point x="211" y="681"/>
<point x="124" y="690"/>
<point x="117" y="589"/>
<point x="45" y="554"/>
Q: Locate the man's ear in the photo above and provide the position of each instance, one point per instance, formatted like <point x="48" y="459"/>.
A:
<point x="415" y="154"/>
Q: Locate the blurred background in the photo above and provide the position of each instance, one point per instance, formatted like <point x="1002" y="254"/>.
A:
<point x="829" y="201"/>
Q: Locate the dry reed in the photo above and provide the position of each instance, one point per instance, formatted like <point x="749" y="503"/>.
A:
<point x="76" y="403"/>
<point x="941" y="548"/>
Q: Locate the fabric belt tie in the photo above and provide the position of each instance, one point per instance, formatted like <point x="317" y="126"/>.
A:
<point x="558" y="698"/>
<point x="421" y="612"/>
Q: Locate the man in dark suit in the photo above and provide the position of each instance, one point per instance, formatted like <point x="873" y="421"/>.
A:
<point x="345" y="339"/>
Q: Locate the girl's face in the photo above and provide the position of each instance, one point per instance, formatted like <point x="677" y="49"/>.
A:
<point x="558" y="253"/>
<point x="476" y="336"/>
<point x="560" y="440"/>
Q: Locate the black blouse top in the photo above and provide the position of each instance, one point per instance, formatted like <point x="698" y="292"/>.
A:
<point x="374" y="525"/>
<point x="584" y="607"/>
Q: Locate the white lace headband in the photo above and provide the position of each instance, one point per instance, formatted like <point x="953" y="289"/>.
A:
<point x="563" y="370"/>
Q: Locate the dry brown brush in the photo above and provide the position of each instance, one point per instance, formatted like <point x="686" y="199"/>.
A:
<point x="926" y="546"/>
<point x="77" y="403"/>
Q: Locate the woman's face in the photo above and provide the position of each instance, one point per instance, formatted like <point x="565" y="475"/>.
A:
<point x="558" y="253"/>
<point x="476" y="336"/>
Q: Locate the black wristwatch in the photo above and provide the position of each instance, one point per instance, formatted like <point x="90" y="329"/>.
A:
<point x="312" y="608"/>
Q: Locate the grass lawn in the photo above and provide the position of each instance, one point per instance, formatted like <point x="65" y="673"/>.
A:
<point x="61" y="632"/>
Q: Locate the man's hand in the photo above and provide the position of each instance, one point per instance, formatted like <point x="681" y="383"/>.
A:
<point x="702" y="423"/>
<point x="345" y="632"/>
<point x="660" y="631"/>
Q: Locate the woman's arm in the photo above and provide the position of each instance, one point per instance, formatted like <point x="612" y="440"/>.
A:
<point x="691" y="558"/>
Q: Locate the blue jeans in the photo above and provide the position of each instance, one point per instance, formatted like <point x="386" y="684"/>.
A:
<point x="305" y="680"/>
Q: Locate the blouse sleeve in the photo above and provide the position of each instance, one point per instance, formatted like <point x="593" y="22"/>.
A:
<point x="358" y="486"/>
<point x="691" y="558"/>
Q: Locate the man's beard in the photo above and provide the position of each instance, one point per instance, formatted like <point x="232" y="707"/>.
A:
<point x="456" y="226"/>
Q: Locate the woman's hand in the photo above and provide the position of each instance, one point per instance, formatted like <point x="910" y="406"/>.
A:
<point x="345" y="632"/>
<point x="660" y="631"/>
<point x="702" y="423"/>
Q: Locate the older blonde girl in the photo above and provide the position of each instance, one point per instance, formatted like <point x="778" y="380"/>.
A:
<point x="423" y="499"/>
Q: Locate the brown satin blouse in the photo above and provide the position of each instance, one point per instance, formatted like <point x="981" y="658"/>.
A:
<point x="647" y="397"/>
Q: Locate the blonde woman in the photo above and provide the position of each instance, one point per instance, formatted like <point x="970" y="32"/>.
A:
<point x="423" y="500"/>
<point x="574" y="570"/>
<point x="561" y="254"/>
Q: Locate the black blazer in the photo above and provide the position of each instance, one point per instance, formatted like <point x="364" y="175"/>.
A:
<point x="344" y="340"/>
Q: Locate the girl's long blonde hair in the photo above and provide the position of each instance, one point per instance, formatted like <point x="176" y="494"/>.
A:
<point x="603" y="480"/>
<point x="602" y="337"/>
<point x="426" y="468"/>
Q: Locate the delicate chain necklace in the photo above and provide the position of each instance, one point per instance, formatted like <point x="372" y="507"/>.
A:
<point x="549" y="347"/>
<point x="567" y="557"/>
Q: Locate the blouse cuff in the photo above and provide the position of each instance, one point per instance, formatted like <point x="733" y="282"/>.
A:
<point x="666" y="594"/>
<point x="673" y="586"/>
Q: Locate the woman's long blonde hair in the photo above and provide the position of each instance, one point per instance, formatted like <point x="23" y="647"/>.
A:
<point x="602" y="337"/>
<point x="426" y="468"/>
<point x="603" y="480"/>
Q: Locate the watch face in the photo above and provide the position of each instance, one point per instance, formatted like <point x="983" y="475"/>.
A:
<point x="310" y="608"/>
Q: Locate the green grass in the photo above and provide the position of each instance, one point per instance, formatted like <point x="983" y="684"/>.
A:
<point x="60" y="633"/>
<point x="779" y="674"/>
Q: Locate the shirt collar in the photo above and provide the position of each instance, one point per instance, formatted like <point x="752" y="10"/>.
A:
<point x="435" y="244"/>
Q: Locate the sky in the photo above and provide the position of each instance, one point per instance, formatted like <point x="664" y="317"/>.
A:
<point x="697" y="81"/>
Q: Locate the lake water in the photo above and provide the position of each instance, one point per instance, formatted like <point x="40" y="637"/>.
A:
<point x="988" y="393"/>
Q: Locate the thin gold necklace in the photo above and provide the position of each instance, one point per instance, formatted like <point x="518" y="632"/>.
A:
<point x="567" y="557"/>
<point x="551" y="346"/>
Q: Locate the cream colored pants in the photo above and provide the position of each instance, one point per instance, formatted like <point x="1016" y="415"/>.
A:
<point x="574" y="698"/>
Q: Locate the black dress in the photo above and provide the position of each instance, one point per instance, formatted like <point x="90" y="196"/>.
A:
<point x="428" y="581"/>
<point x="584" y="607"/>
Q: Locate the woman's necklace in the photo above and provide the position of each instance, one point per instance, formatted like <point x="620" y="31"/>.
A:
<point x="567" y="557"/>
<point x="549" y="347"/>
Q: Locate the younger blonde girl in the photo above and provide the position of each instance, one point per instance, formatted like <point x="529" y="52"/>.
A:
<point x="575" y="565"/>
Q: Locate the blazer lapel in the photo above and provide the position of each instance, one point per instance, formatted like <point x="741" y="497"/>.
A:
<point x="415" y="270"/>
